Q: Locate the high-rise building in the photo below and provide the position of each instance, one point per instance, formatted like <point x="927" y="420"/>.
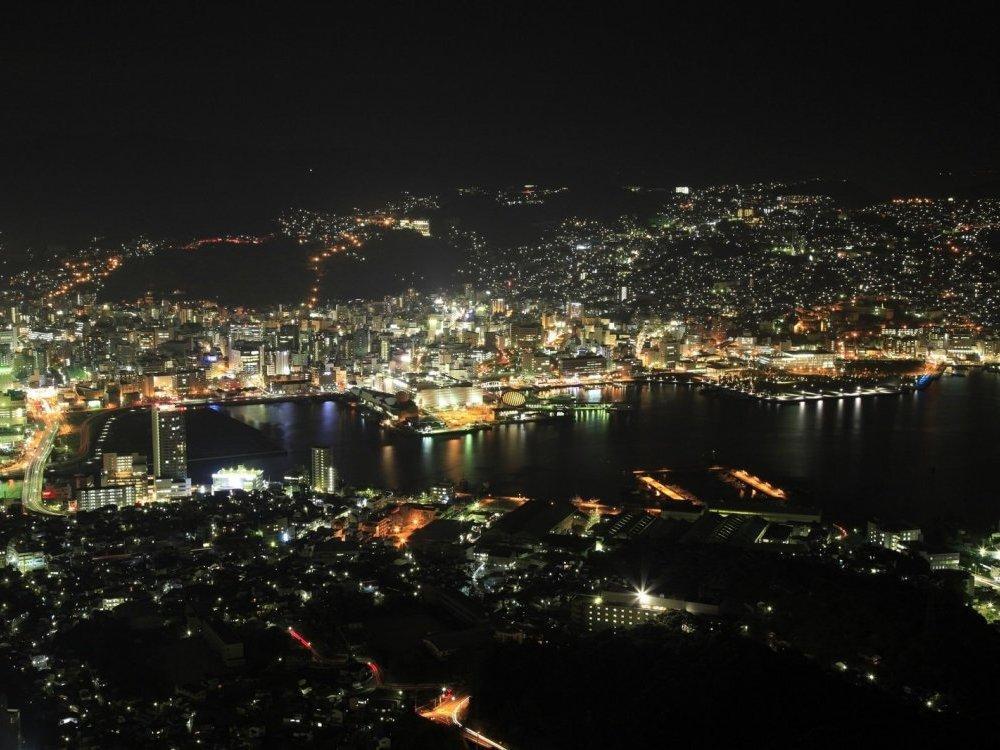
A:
<point x="324" y="474"/>
<point x="670" y="352"/>
<point x="279" y="363"/>
<point x="247" y="358"/>
<point x="362" y="342"/>
<point x="169" y="443"/>
<point x="124" y="469"/>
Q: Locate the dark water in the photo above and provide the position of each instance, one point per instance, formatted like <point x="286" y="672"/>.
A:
<point x="212" y="436"/>
<point x="920" y="457"/>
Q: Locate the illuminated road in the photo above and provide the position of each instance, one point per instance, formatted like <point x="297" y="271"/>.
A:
<point x="450" y="711"/>
<point x="984" y="581"/>
<point x="661" y="488"/>
<point x="34" y="474"/>
<point x="759" y="484"/>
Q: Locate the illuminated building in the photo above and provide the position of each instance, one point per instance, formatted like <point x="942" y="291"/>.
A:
<point x="526" y="335"/>
<point x="582" y="366"/>
<point x="11" y="438"/>
<point x="289" y="384"/>
<point x="279" y="363"/>
<point x="323" y="472"/>
<point x="25" y="561"/>
<point x="169" y="443"/>
<point x="119" y="465"/>
<point x="13" y="405"/>
<point x="400" y="522"/>
<point x="943" y="560"/>
<point x="362" y="342"/>
<point x="122" y="469"/>
<point x="814" y="359"/>
<point x="247" y="358"/>
<point x="453" y="397"/>
<point x="893" y="537"/>
<point x="189" y="382"/>
<point x="442" y="493"/>
<point x="92" y="498"/>
<point x="238" y="478"/>
<point x="418" y="225"/>
<point x="6" y="366"/>
<point x="628" y="609"/>
<point x="157" y="384"/>
<point x="246" y="332"/>
<point x="164" y="490"/>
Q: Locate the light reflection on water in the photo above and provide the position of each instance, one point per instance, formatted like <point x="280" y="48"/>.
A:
<point x="917" y="456"/>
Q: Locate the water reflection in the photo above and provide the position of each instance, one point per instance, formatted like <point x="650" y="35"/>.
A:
<point x="922" y="455"/>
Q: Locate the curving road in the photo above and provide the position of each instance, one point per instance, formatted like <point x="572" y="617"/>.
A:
<point x="34" y="474"/>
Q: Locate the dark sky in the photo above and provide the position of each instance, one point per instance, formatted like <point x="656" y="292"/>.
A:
<point x="178" y="118"/>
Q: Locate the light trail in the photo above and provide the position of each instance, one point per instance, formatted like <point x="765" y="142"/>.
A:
<point x="34" y="475"/>
<point x="376" y="672"/>
<point x="450" y="710"/>
<point x="301" y="640"/>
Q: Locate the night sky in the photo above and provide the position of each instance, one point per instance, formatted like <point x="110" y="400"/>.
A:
<point x="165" y="117"/>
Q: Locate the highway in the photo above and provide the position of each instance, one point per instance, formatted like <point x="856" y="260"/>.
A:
<point x="34" y="473"/>
<point x="984" y="581"/>
<point x="450" y="710"/>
